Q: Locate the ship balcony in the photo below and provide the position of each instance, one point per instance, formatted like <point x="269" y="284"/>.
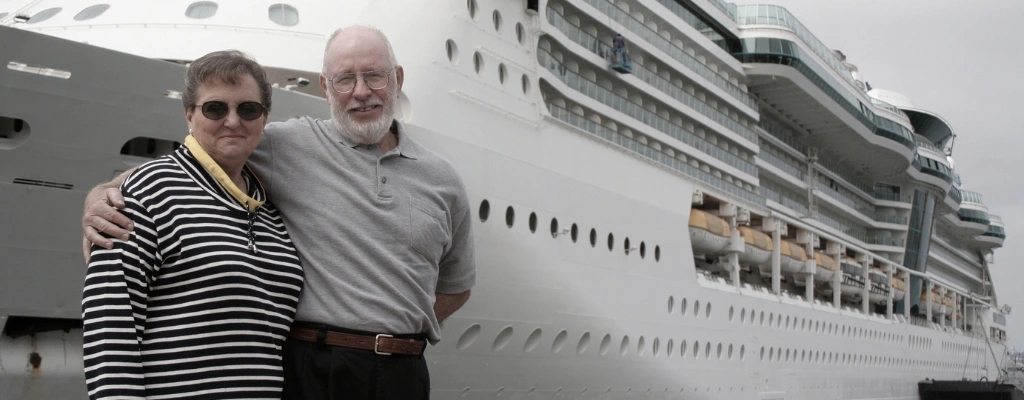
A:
<point x="972" y="218"/>
<point x="994" y="235"/>
<point x="646" y="37"/>
<point x="933" y="170"/>
<point x="816" y="102"/>
<point x="951" y="202"/>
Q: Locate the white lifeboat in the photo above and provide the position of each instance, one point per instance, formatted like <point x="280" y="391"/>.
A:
<point x="852" y="284"/>
<point x="826" y="267"/>
<point x="947" y="307"/>
<point x="792" y="258"/>
<point x="899" y="288"/>
<point x="936" y="302"/>
<point x="880" y="286"/>
<point x="709" y="234"/>
<point x="757" y="248"/>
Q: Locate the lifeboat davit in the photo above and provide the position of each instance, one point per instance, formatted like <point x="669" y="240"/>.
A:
<point x="757" y="248"/>
<point x="709" y="234"/>
<point x="899" y="289"/>
<point x="852" y="284"/>
<point x="880" y="286"/>
<point x="826" y="267"/>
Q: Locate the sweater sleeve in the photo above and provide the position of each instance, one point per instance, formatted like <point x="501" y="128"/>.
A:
<point x="114" y="308"/>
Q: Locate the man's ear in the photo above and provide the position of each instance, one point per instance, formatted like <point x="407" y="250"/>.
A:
<point x="323" y="84"/>
<point x="400" y="76"/>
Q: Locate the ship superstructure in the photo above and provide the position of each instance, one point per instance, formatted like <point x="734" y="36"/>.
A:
<point x="674" y="198"/>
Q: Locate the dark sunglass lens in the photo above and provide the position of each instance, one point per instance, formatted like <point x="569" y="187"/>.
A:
<point x="250" y="110"/>
<point x="215" y="109"/>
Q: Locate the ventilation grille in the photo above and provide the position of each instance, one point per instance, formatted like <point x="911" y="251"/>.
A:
<point x="33" y="182"/>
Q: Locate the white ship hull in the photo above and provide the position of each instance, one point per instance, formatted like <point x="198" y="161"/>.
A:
<point x="550" y="317"/>
<point x="602" y="298"/>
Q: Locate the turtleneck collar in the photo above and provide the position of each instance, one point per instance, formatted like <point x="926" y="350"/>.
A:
<point x="218" y="173"/>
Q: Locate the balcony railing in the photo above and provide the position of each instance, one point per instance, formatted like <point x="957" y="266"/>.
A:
<point x="602" y="49"/>
<point x="620" y="140"/>
<point x="636" y="111"/>
<point x="793" y="169"/>
<point x="891" y="219"/>
<point x="622" y="17"/>
<point x="888" y="241"/>
<point x="853" y="202"/>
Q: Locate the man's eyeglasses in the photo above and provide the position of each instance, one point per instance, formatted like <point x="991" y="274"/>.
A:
<point x="375" y="80"/>
<point x="248" y="110"/>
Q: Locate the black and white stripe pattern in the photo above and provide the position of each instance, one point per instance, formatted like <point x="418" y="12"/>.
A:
<point x="185" y="309"/>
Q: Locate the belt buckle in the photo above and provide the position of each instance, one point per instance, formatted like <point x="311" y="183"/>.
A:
<point x="376" y="344"/>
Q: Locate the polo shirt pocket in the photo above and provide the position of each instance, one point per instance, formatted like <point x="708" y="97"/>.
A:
<point x="429" y="231"/>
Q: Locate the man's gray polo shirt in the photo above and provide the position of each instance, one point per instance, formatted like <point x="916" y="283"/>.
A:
<point x="377" y="234"/>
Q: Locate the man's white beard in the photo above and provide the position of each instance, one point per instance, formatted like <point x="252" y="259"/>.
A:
<point x="363" y="133"/>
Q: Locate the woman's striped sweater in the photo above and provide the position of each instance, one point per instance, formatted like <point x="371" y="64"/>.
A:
<point x="187" y="308"/>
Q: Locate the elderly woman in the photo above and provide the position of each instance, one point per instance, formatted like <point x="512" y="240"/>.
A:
<point x="198" y="301"/>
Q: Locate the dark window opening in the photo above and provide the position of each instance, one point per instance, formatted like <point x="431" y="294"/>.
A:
<point x="148" y="147"/>
<point x="533" y="5"/>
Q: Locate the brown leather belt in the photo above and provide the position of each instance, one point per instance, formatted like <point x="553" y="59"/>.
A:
<point x="381" y="344"/>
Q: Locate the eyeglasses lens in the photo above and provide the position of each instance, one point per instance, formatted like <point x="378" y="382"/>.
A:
<point x="248" y="110"/>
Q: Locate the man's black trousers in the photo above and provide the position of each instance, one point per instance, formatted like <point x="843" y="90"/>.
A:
<point x="315" y="371"/>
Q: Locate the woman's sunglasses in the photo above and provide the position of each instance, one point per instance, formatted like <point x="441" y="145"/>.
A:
<point x="249" y="110"/>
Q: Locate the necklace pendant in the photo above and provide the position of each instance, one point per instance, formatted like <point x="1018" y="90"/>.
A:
<point x="252" y="247"/>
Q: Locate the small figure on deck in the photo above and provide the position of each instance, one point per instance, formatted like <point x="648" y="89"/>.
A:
<point x="619" y="59"/>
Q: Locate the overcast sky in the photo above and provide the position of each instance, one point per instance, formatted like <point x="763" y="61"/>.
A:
<point x="962" y="60"/>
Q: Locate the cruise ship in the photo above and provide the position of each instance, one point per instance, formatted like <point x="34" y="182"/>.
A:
<point x="673" y="199"/>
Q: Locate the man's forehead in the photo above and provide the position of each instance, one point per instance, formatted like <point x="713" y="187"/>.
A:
<point x="358" y="56"/>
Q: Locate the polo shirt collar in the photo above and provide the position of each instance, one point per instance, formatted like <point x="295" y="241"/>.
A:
<point x="406" y="147"/>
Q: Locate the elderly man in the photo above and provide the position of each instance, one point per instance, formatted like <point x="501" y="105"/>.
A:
<point x="382" y="226"/>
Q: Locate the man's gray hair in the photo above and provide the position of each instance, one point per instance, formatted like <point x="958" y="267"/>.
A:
<point x="391" y="52"/>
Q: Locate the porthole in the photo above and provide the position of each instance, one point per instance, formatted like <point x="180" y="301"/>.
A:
<point x="671" y="304"/>
<point x="624" y="346"/>
<point x="453" y="51"/>
<point x="533" y="222"/>
<point x="559" y="342"/>
<point x="696" y="349"/>
<point x="682" y="306"/>
<point x="730" y="352"/>
<point x="583" y="344"/>
<point x="502" y="339"/>
<point x="682" y="348"/>
<point x="707" y="350"/>
<point x="611" y="242"/>
<point x="510" y="216"/>
<point x="485" y="210"/>
<point x="44" y="15"/>
<point x="731" y="313"/>
<point x="655" y="347"/>
<point x="593" y="237"/>
<point x="696" y="308"/>
<point x="668" y="348"/>
<point x="526" y="84"/>
<point x="201" y="10"/>
<point x="625" y="246"/>
<point x="496" y="18"/>
<point x="283" y="14"/>
<point x="139" y="146"/>
<point x="743" y="352"/>
<point x="762" y="353"/>
<point x="657" y="253"/>
<point x="502" y="73"/>
<point x="605" y="344"/>
<point x="743" y="315"/>
<point x="468" y="337"/>
<point x="478" y="62"/>
<point x="533" y="340"/>
<point x="91" y="12"/>
<point x="640" y="349"/>
<point x="643" y="249"/>
<point x="471" y="5"/>
<point x="707" y="310"/>
<point x="574" y="232"/>
<point x="520" y="33"/>
<point x="554" y="227"/>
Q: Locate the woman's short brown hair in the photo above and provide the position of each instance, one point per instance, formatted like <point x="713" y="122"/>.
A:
<point x="227" y="66"/>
